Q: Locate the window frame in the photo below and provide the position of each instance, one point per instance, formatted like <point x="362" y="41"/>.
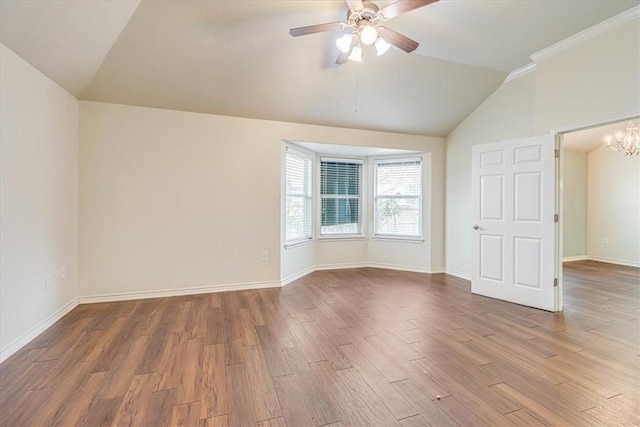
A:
<point x="307" y="195"/>
<point x="361" y="198"/>
<point x="419" y="237"/>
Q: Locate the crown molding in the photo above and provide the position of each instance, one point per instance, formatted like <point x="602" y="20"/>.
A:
<point x="602" y="27"/>
<point x="515" y="74"/>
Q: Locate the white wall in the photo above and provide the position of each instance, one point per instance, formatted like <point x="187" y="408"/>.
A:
<point x="574" y="236"/>
<point x="591" y="82"/>
<point x="614" y="208"/>
<point x="506" y="114"/>
<point x="39" y="202"/>
<point x="171" y="201"/>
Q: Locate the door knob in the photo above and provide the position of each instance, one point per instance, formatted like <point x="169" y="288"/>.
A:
<point x="477" y="227"/>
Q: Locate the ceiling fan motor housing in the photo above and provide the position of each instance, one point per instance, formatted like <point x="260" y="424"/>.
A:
<point x="368" y="15"/>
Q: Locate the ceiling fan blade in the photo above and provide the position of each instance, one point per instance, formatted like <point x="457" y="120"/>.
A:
<point x="355" y="5"/>
<point x="342" y="58"/>
<point x="398" y="40"/>
<point x="403" y="6"/>
<point x="312" y="29"/>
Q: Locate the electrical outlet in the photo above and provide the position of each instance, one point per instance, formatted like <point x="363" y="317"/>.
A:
<point x="265" y="256"/>
<point x="47" y="280"/>
<point x="63" y="272"/>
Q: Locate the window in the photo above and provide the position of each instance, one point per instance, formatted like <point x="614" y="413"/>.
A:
<point x="299" y="196"/>
<point x="341" y="196"/>
<point x="398" y="197"/>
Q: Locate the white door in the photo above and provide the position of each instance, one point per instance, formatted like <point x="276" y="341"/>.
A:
<point x="513" y="196"/>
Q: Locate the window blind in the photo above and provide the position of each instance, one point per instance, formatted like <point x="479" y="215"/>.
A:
<point x="398" y="197"/>
<point x="340" y="192"/>
<point x="298" y="196"/>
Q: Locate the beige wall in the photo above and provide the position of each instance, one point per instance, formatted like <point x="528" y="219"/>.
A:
<point x="39" y="202"/>
<point x="171" y="201"/>
<point x="592" y="82"/>
<point x="574" y="182"/>
<point x="614" y="207"/>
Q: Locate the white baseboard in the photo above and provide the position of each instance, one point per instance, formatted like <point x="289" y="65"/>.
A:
<point x="458" y="274"/>
<point x="17" y="344"/>
<point x="614" y="261"/>
<point x="297" y="276"/>
<point x="127" y="296"/>
<point x="575" y="258"/>
<point x="404" y="268"/>
<point x="322" y="267"/>
<point x="341" y="266"/>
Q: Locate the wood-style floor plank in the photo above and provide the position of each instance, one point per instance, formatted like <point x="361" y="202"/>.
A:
<point x="240" y="396"/>
<point x="264" y="394"/>
<point x="339" y="348"/>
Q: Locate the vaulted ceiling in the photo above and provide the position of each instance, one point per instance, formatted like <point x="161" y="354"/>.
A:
<point x="236" y="57"/>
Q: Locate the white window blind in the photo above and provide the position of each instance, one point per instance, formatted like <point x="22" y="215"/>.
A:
<point x="341" y="196"/>
<point x="398" y="197"/>
<point x="299" y="196"/>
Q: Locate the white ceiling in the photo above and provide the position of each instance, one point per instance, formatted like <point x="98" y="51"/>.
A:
<point x="591" y="139"/>
<point x="237" y="58"/>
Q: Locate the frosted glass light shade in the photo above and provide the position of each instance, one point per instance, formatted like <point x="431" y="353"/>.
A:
<point x="344" y="43"/>
<point x="381" y="46"/>
<point x="356" y="53"/>
<point x="368" y="35"/>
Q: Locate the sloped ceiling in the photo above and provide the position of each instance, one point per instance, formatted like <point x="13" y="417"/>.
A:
<point x="66" y="40"/>
<point x="237" y="58"/>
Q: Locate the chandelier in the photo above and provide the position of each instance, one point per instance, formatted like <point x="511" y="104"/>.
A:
<point x="627" y="142"/>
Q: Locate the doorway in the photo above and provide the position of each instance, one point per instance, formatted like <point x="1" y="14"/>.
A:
<point x="599" y="201"/>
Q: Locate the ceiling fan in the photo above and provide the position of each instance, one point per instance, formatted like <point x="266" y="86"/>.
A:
<point x="365" y="18"/>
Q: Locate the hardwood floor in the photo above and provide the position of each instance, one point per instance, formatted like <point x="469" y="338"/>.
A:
<point x="340" y="348"/>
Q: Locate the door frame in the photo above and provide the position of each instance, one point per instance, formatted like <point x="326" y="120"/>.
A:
<point x="559" y="196"/>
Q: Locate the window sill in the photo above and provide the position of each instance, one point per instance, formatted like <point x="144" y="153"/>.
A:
<point x="401" y="239"/>
<point x="342" y="237"/>
<point x="296" y="243"/>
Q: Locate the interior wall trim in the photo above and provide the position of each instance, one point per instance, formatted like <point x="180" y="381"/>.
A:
<point x="321" y="267"/>
<point x="298" y="275"/>
<point x="575" y="258"/>
<point x="515" y="74"/>
<point x="586" y="34"/>
<point x="128" y="296"/>
<point x="458" y="274"/>
<point x="405" y="268"/>
<point x="339" y="266"/>
<point x="614" y="261"/>
<point x="20" y="342"/>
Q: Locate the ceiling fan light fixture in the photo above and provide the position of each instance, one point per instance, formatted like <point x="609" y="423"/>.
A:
<point x="344" y="43"/>
<point x="356" y="53"/>
<point x="381" y="46"/>
<point x="368" y="34"/>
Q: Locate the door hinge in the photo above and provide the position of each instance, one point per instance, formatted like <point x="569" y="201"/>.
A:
<point x="555" y="282"/>
<point x="557" y="153"/>
<point x="556" y="217"/>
